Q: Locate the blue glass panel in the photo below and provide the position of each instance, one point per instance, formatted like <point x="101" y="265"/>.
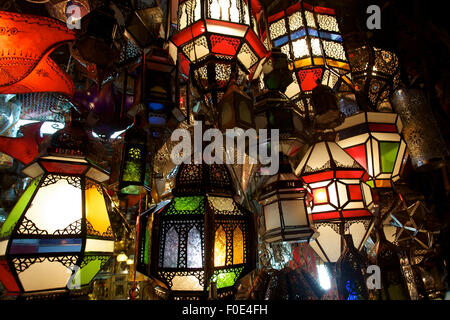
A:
<point x="313" y="32"/>
<point x="156" y="106"/>
<point x="280" y="41"/>
<point x="27" y="246"/>
<point x="157" y="121"/>
<point x="330" y="36"/>
<point x="298" y="34"/>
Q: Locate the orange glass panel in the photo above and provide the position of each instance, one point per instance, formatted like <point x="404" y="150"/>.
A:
<point x="96" y="212"/>
<point x="318" y="61"/>
<point x="220" y="248"/>
<point x="383" y="183"/>
<point x="338" y="64"/>
<point x="238" y="246"/>
<point x="24" y="40"/>
<point x="302" y="63"/>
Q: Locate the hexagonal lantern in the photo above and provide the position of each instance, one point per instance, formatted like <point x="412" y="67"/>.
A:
<point x="58" y="235"/>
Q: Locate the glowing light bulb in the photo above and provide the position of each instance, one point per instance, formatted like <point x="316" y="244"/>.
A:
<point x="320" y="195"/>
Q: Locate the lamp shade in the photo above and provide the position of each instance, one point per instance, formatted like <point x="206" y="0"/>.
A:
<point x="58" y="235"/>
<point x="374" y="139"/>
<point x="341" y="201"/>
<point x="201" y="236"/>
<point x="310" y="37"/>
<point x="283" y="198"/>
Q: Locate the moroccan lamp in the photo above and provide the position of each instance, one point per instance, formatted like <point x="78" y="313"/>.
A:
<point x="375" y="141"/>
<point x="200" y="238"/>
<point x="283" y="199"/>
<point x="58" y="236"/>
<point x="341" y="201"/>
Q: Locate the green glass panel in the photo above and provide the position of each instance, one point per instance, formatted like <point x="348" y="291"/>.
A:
<point x="187" y="205"/>
<point x="147" y="239"/>
<point x="131" y="190"/>
<point x="18" y="209"/>
<point x="226" y="278"/>
<point x="388" y="151"/>
<point x="133" y="166"/>
<point x="85" y="275"/>
<point x="371" y="183"/>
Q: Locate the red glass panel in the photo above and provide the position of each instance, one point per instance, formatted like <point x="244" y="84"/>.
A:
<point x="276" y="16"/>
<point x="308" y="78"/>
<point x="359" y="154"/>
<point x="382" y="127"/>
<point x="47" y="76"/>
<point x="355" y="192"/>
<point x="6" y="277"/>
<point x="322" y="176"/>
<point x="325" y="10"/>
<point x="188" y="34"/>
<point x="355" y="213"/>
<point x="293" y="8"/>
<point x="256" y="6"/>
<point x="183" y="65"/>
<point x="256" y="44"/>
<point x="325" y="216"/>
<point x="68" y="168"/>
<point x="24" y="40"/>
<point x="24" y="149"/>
<point x="349" y="174"/>
<point x="224" y="45"/>
<point x="307" y="6"/>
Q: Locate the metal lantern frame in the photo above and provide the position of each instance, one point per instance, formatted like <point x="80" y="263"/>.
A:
<point x="80" y="247"/>
<point x="309" y="35"/>
<point x="375" y="140"/>
<point x="202" y="208"/>
<point x="285" y="190"/>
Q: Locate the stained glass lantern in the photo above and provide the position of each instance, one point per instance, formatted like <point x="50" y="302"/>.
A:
<point x="341" y="201"/>
<point x="213" y="35"/>
<point x="135" y="175"/>
<point x="58" y="235"/>
<point x="284" y="204"/>
<point x="376" y="73"/>
<point x="310" y="37"/>
<point x="236" y="109"/>
<point x="199" y="238"/>
<point x="374" y="139"/>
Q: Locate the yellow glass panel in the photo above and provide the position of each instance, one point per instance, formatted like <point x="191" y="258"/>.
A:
<point x="318" y="61"/>
<point x="338" y="64"/>
<point x="238" y="246"/>
<point x="220" y="248"/>
<point x="96" y="212"/>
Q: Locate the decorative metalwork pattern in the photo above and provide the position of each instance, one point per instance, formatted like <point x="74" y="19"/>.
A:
<point x="89" y="258"/>
<point x="108" y="234"/>
<point x="73" y="228"/>
<point x="28" y="227"/>
<point x="169" y="275"/>
<point x="334" y="50"/>
<point x="328" y="23"/>
<point x="54" y="178"/>
<point x="22" y="264"/>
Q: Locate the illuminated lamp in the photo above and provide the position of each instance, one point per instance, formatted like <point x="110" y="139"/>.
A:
<point x="219" y="30"/>
<point x="341" y="201"/>
<point x="200" y="237"/>
<point x="310" y="37"/>
<point x="58" y="236"/>
<point x="284" y="205"/>
<point x="374" y="139"/>
<point x="376" y="73"/>
<point x="135" y="174"/>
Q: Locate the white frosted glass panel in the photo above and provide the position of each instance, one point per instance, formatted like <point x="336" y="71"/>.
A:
<point x="3" y="245"/>
<point x="319" y="156"/>
<point x="272" y="217"/>
<point x="186" y="283"/>
<point x="33" y="170"/>
<point x="340" y="155"/>
<point x="384" y="136"/>
<point x="358" y="231"/>
<point x="294" y="213"/>
<point x="171" y="249"/>
<point x="45" y="275"/>
<point x="96" y="245"/>
<point x="330" y="242"/>
<point x="97" y="175"/>
<point x="55" y="206"/>
<point x="353" y="141"/>
<point x="194" y="249"/>
<point x="332" y="192"/>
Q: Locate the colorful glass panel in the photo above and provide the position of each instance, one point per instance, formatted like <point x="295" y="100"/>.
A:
<point x="194" y="249"/>
<point x="220" y="247"/>
<point x="388" y="151"/>
<point x="238" y="246"/>
<point x="96" y="211"/>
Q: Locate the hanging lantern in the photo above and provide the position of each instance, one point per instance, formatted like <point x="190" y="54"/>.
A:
<point x="376" y="73"/>
<point x="374" y="139"/>
<point x="341" y="202"/>
<point x="216" y="34"/>
<point x="135" y="174"/>
<point x="310" y="37"/>
<point x="200" y="239"/>
<point x="58" y="235"/>
<point x="143" y="26"/>
<point x="284" y="204"/>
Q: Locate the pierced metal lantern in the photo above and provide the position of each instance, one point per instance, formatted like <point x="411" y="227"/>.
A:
<point x="376" y="73"/>
<point x="310" y="37"/>
<point x="135" y="174"/>
<point x="58" y="235"/>
<point x="283" y="198"/>
<point x="226" y="31"/>
<point x="200" y="239"/>
<point x="341" y="201"/>
<point x="143" y="26"/>
<point x="374" y="139"/>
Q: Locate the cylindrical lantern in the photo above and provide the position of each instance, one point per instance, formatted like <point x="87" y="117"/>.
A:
<point x="425" y="144"/>
<point x="310" y="37"/>
<point x="200" y="238"/>
<point x="341" y="201"/>
<point x="285" y="214"/>
<point x="58" y="236"/>
<point x="374" y="139"/>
